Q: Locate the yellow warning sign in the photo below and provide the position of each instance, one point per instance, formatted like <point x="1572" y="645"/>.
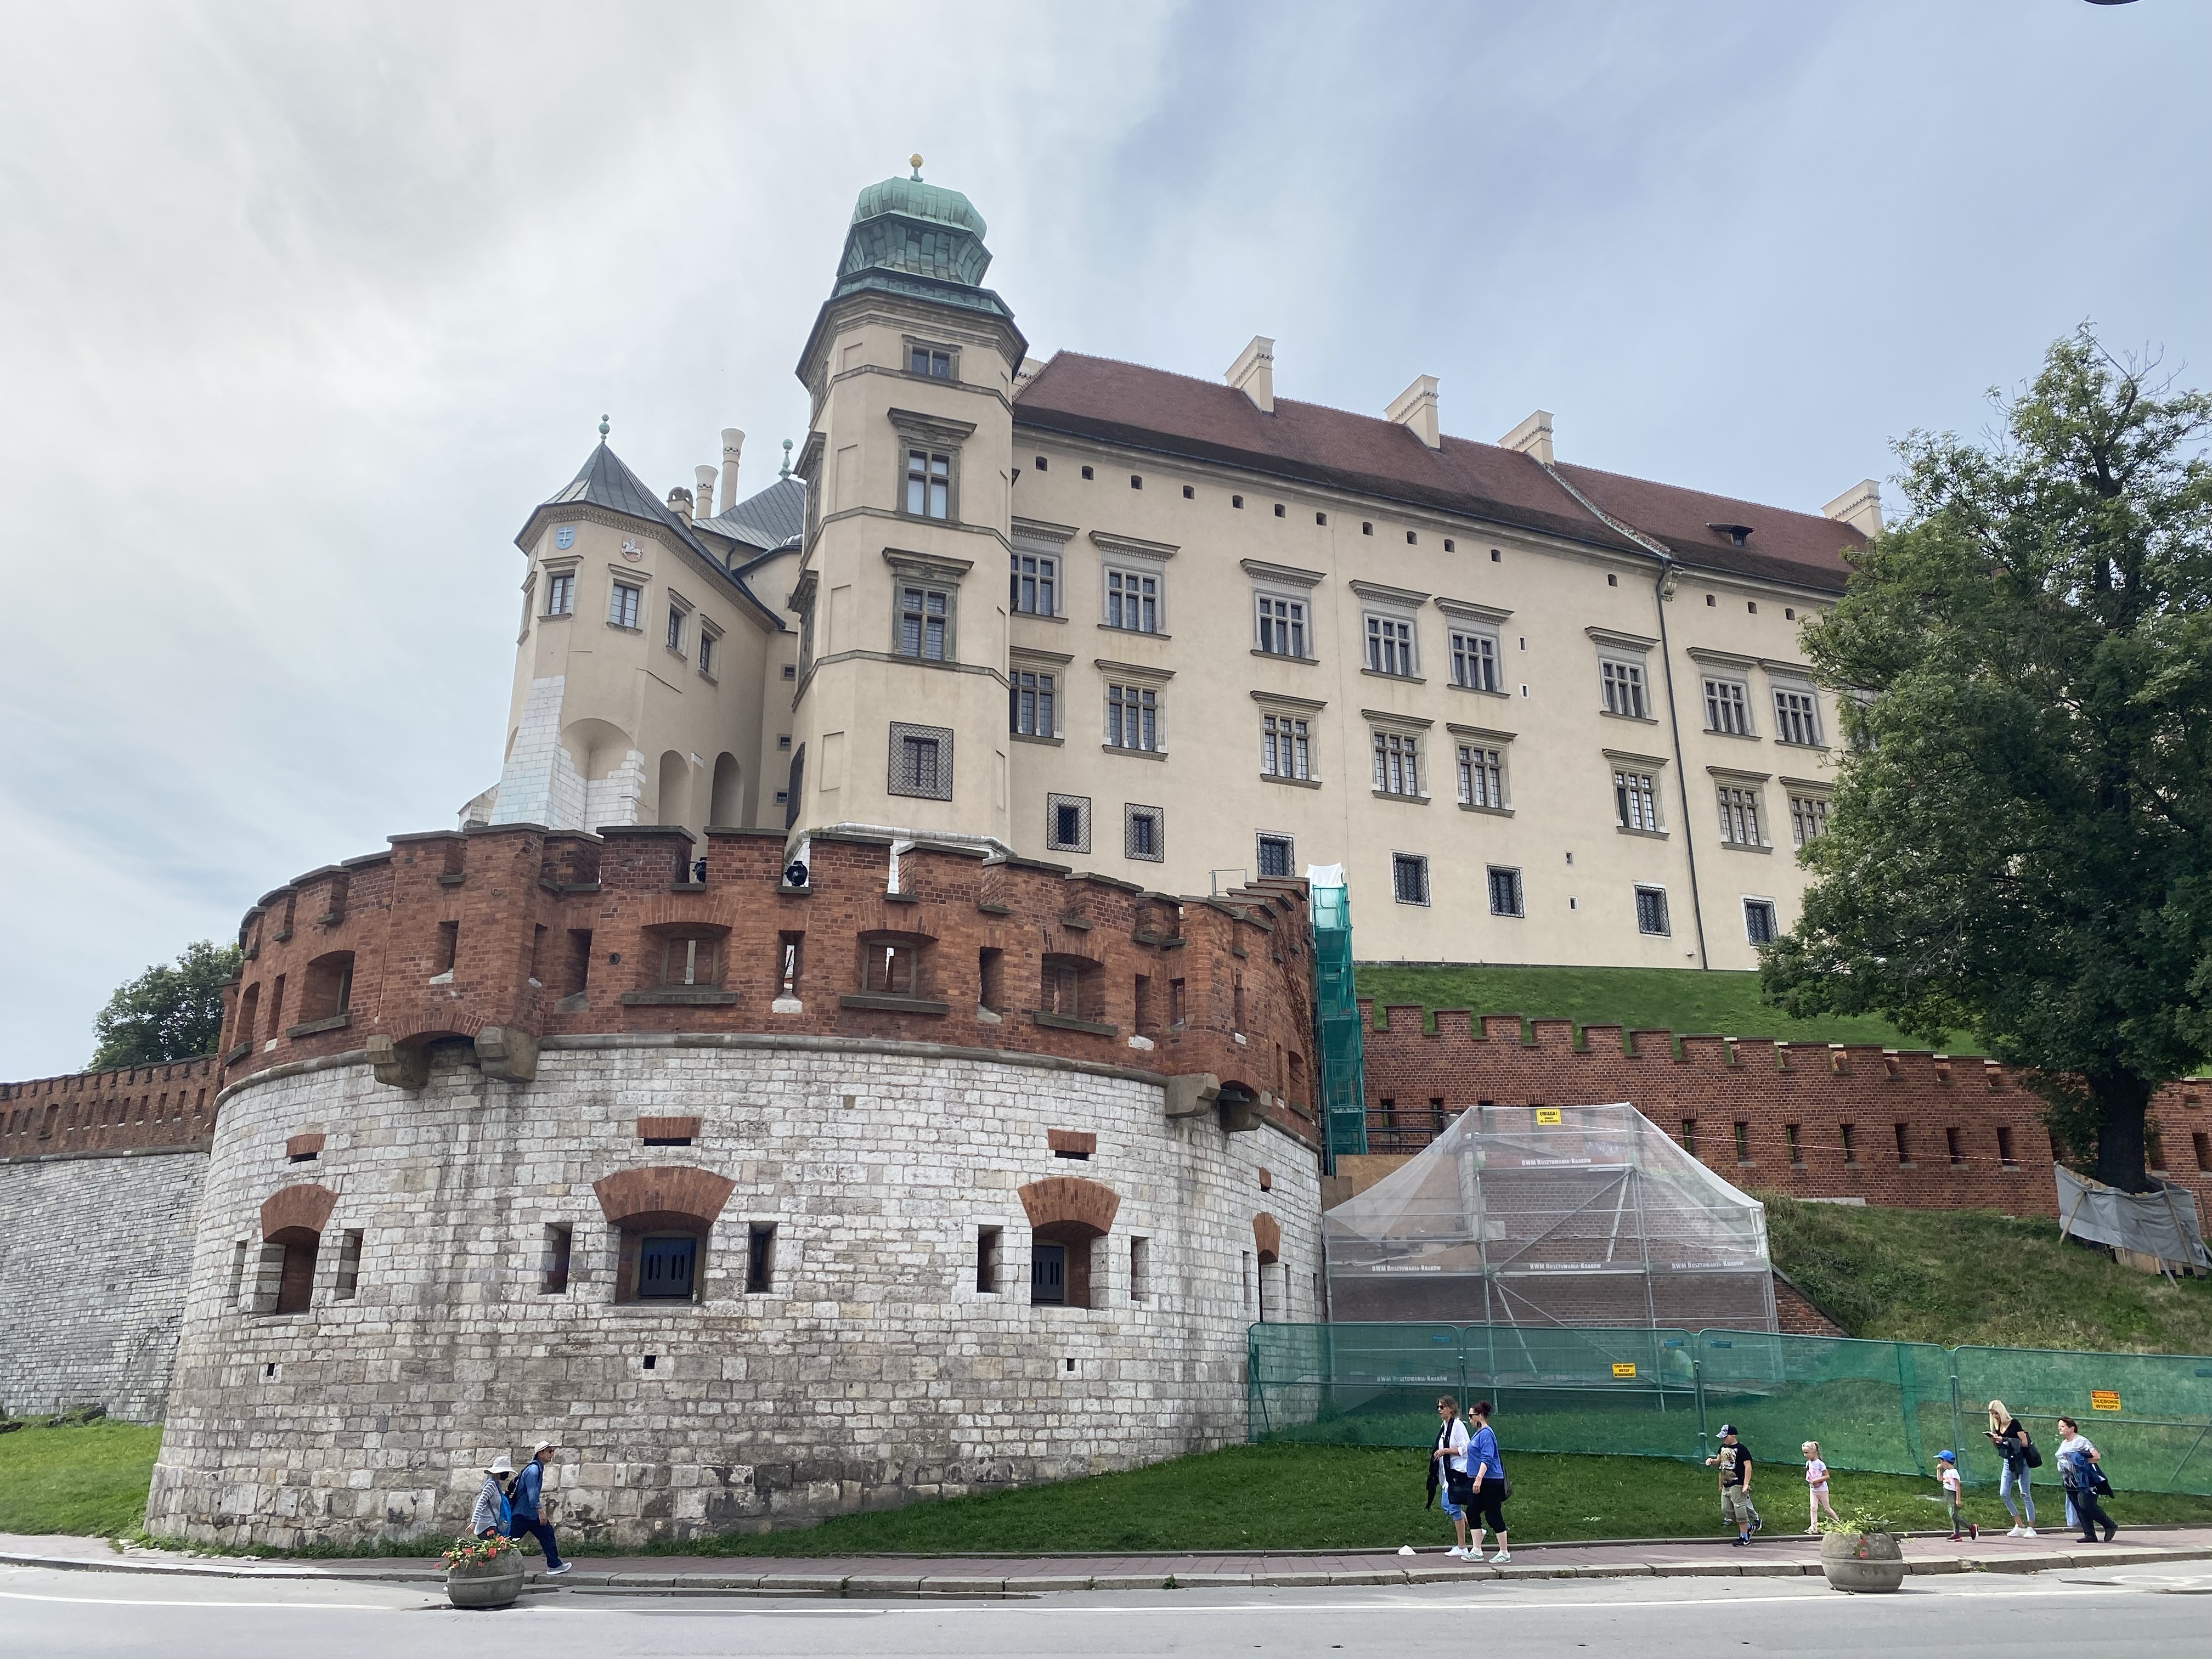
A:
<point x="1619" y="1369"/>
<point x="1546" y="1114"/>
<point x="2104" y="1399"/>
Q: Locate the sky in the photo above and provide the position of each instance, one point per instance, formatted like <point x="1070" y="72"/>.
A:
<point x="303" y="307"/>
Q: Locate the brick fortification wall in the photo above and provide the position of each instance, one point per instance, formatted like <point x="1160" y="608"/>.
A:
<point x="128" y="1109"/>
<point x="461" y="1091"/>
<point x="1973" y="1136"/>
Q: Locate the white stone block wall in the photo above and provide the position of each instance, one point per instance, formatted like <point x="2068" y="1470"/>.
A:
<point x="95" y="1255"/>
<point x="872" y="1373"/>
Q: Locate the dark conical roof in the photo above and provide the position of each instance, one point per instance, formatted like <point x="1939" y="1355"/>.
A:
<point x="766" y="519"/>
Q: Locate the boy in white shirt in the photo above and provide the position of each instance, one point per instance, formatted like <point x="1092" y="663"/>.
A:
<point x="1947" y="1471"/>
<point x="1816" y="1488"/>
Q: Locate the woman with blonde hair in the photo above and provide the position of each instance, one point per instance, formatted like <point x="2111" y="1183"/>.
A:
<point x="2014" y="1445"/>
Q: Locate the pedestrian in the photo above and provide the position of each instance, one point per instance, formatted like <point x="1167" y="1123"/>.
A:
<point x="2080" y="1468"/>
<point x="2017" y="1449"/>
<point x="1487" y="1487"/>
<point x="1816" y="1488"/>
<point x="1947" y="1471"/>
<point x="1734" y="1461"/>
<point x="532" y="1508"/>
<point x="493" y="1515"/>
<point x="1448" y="1470"/>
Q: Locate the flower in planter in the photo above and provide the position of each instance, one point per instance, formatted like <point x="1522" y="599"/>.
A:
<point x="479" y="1551"/>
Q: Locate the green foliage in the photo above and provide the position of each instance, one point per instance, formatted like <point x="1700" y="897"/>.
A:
<point x="1679" y="999"/>
<point x="1866" y="1519"/>
<point x="91" y="1480"/>
<point x="171" y="1011"/>
<point x="2020" y="843"/>
<point x="1976" y="1278"/>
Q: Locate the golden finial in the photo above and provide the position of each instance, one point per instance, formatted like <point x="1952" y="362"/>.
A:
<point x="914" y="162"/>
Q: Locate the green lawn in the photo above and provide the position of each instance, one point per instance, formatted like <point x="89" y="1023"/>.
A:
<point x="1679" y="1000"/>
<point x="90" y="1480"/>
<point x="1962" y="1276"/>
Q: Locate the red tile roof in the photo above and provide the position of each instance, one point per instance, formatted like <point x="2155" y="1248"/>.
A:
<point x="1151" y="410"/>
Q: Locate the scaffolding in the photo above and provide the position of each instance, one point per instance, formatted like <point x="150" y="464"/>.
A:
<point x="1343" y="1072"/>
<point x="1554" y="1216"/>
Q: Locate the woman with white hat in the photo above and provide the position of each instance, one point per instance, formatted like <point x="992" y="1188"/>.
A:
<point x="492" y="1516"/>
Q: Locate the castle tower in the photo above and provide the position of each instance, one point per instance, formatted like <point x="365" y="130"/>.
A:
<point x="900" y="718"/>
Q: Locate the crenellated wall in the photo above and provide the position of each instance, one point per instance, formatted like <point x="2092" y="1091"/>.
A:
<point x="128" y="1108"/>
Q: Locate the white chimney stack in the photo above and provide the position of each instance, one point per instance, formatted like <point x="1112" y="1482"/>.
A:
<point x="1415" y="409"/>
<point x="733" y="441"/>
<point x="1253" y="373"/>
<point x="1532" y="437"/>
<point x="705" y="475"/>
<point x="1859" y="507"/>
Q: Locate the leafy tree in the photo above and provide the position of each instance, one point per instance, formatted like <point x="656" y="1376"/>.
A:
<point x="171" y="1011"/>
<point x="2021" y="841"/>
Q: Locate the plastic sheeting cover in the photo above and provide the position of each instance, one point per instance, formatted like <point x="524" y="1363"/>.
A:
<point x="2163" y="1224"/>
<point x="1558" y="1215"/>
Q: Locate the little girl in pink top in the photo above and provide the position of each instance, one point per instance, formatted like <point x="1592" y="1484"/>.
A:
<point x="1816" y="1486"/>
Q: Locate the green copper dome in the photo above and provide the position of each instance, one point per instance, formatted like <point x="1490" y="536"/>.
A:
<point x="918" y="200"/>
<point x="905" y="227"/>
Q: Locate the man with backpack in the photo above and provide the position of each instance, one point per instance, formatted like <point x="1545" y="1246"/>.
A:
<point x="530" y="1506"/>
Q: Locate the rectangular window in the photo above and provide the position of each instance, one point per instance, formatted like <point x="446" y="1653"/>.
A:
<point x="1282" y="626"/>
<point x="1390" y="646"/>
<point x="1133" y="601"/>
<point x="1175" y="1004"/>
<point x="1409" y="878"/>
<point x="991" y="978"/>
<point x="1789" y="1134"/>
<point x="890" y="969"/>
<point x="921" y="767"/>
<point x="675" y="628"/>
<point x="688" y="962"/>
<point x="667" y="1267"/>
<point x="553" y="1265"/>
<point x="987" y="1260"/>
<point x="760" y="1258"/>
<point x="348" y="1284"/>
<point x="1738" y="815"/>
<point x="1728" y="708"/>
<point x="1636" y="801"/>
<point x="923" y="614"/>
<point x="1744" y="1143"/>
<point x="1690" y="1136"/>
<point x="1651" y="909"/>
<point x="449" y="947"/>
<point x="1132" y="717"/>
<point x="1759" y="920"/>
<point x="1846" y="1135"/>
<point x="622" y="604"/>
<point x="1951" y="1148"/>
<point x="1032" y="711"/>
<point x="1809" y="817"/>
<point x="1622" y="684"/>
<point x="2004" y="1145"/>
<point x="1033" y="586"/>
<point x="1481" y="777"/>
<point x="1904" y="1143"/>
<point x="2203" y="1143"/>
<point x="1475" y="661"/>
<point x="937" y="365"/>
<point x="1275" y="855"/>
<point x="1397" y="764"/>
<point x="561" y="593"/>
<point x="1067" y="824"/>
<point x="928" y="484"/>
<point x="1049" y="1275"/>
<point x="1504" y="891"/>
<point x="1796" y="718"/>
<point x="706" y="652"/>
<point x="1286" y="747"/>
<point x="1143" y="834"/>
<point x="1140" y="1270"/>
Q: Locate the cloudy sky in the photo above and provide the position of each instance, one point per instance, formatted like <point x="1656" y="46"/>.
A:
<point x="303" y="306"/>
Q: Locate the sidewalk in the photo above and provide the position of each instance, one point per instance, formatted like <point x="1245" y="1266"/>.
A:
<point x="1785" y="1557"/>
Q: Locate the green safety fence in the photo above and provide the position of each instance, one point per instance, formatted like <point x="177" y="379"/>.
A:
<point x="1887" y="1407"/>
<point x="1342" y="1070"/>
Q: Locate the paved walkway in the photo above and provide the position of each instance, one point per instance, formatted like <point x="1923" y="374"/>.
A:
<point x="997" y="1576"/>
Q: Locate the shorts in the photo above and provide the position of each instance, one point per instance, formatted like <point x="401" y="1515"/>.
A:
<point x="1452" y="1511"/>
<point x="1735" y="1507"/>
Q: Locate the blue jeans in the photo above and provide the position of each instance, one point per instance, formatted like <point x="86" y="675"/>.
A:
<point x="2015" y="1474"/>
<point x="531" y="1526"/>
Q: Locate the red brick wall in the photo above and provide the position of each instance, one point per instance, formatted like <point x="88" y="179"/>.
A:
<point x="1768" y="1087"/>
<point x="169" y="1105"/>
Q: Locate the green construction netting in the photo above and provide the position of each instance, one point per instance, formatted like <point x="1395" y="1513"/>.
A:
<point x="1888" y="1406"/>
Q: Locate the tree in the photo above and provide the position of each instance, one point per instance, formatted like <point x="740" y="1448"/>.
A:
<point x="168" y="1012"/>
<point x="2020" y="841"/>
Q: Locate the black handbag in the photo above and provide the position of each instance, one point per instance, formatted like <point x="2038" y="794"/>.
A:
<point x="2029" y="1455"/>
<point x="1458" y="1488"/>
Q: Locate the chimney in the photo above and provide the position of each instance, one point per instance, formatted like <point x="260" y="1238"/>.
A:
<point x="679" y="503"/>
<point x="1253" y="373"/>
<point x="1532" y="437"/>
<point x="733" y="441"/>
<point x="1030" y="368"/>
<point x="1415" y="409"/>
<point x="1859" y="507"/>
<point x="705" y="475"/>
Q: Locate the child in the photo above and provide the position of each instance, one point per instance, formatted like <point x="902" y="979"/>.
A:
<point x="1947" y="1471"/>
<point x="1816" y="1488"/>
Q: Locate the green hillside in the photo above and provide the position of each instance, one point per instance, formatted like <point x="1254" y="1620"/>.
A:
<point x="1679" y="1000"/>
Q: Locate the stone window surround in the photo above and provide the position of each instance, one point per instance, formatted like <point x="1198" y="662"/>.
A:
<point x="918" y="430"/>
<point x="1773" y="910"/>
<point x="907" y="344"/>
<point x="1021" y="660"/>
<point x="1040" y="539"/>
<point x="1382" y="721"/>
<point x="1053" y="803"/>
<point x="1298" y="709"/>
<point x="1628" y="650"/>
<point x="1145" y="679"/>
<point x="560" y="564"/>
<point x="682" y="607"/>
<point x="1283" y="582"/>
<point x="1134" y="556"/>
<point x="903" y="729"/>
<point x="1487" y="620"/>
<point x="659" y="1200"/>
<point x="1397" y="604"/>
<point x="1622" y="760"/>
<point x="926" y="570"/>
<point x="1726" y="777"/>
<point x="1484" y="736"/>
<point x="629" y="575"/>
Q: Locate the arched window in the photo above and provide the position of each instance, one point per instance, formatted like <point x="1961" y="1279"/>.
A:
<point x="664" y="1218"/>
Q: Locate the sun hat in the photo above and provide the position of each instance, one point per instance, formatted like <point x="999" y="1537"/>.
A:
<point x="501" y="1464"/>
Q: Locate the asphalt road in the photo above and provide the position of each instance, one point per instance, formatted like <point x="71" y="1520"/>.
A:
<point x="2138" y="1613"/>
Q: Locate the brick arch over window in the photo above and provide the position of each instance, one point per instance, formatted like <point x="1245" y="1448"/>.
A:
<point x="305" y="1207"/>
<point x="669" y="1197"/>
<point x="1267" y="1238"/>
<point x="1062" y="1198"/>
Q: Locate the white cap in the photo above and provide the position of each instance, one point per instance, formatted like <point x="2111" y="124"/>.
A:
<point x="542" y="1445"/>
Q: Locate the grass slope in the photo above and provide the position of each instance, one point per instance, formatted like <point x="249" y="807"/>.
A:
<point x="1963" y="1277"/>
<point x="89" y="1481"/>
<point x="1679" y="1000"/>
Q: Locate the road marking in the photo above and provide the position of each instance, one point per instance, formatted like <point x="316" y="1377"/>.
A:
<point x="131" y="1601"/>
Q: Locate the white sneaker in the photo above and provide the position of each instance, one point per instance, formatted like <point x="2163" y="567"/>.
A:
<point x="2027" y="1532"/>
<point x="2014" y="1533"/>
<point x="1501" y="1558"/>
<point x="1457" y="1552"/>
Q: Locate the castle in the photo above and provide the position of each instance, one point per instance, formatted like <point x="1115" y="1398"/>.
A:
<point x="810" y="1080"/>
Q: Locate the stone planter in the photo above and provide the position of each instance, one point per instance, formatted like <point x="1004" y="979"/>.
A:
<point x="1864" y="1563"/>
<point x="494" y="1585"/>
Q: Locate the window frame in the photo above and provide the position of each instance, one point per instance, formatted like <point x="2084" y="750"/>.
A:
<point x="560" y="591"/>
<point x="1040" y="701"/>
<point x="1043" y="580"/>
<point x="1261" y="839"/>
<point x="1134" y="710"/>
<point x="1516" y="886"/>
<point x="1115" y="596"/>
<point x="1054" y="806"/>
<point x="1132" y="812"/>
<point x="931" y="350"/>
<point x="710" y="640"/>
<point x="1802" y="712"/>
<point x="1418" y="864"/>
<point x="1740" y="802"/>
<point x="901" y="732"/>
<point x="933" y="478"/>
<point x="1752" y="903"/>
<point x="1379" y="644"/>
<point x="1461" y="640"/>
<point x="616" y="611"/>
<point x="1284" y="732"/>
<point x="1806" y="806"/>
<point x="1656" y="894"/>
<point x="1622" y="679"/>
<point x="1499" y="774"/>
<point x="1395" y="752"/>
<point x="1627" y="770"/>
<point x="1295" y="630"/>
